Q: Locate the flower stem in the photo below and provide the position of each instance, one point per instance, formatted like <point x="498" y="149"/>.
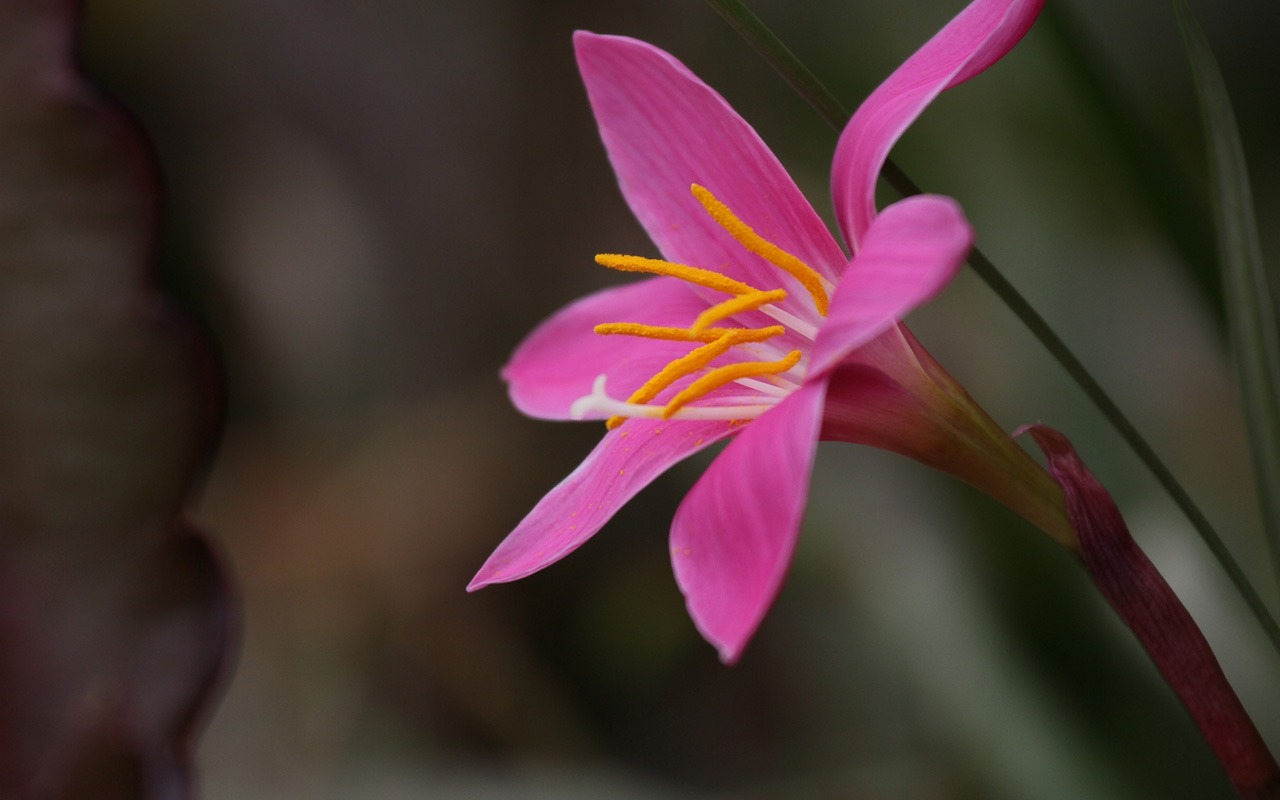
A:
<point x="1142" y="598"/>
<point x="793" y="71"/>
<point x="1039" y="328"/>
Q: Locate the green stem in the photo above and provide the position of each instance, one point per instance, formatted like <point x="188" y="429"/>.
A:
<point x="778" y="56"/>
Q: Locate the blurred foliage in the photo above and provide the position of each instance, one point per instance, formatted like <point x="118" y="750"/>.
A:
<point x="1248" y="285"/>
<point x="371" y="203"/>
<point x="114" y="617"/>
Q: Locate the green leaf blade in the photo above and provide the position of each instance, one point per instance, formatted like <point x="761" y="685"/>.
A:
<point x="1250" y="299"/>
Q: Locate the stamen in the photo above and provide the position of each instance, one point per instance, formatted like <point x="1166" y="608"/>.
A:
<point x="793" y="322"/>
<point x="736" y="305"/>
<point x="742" y="408"/>
<point x="715" y="342"/>
<point x="654" y="266"/>
<point x="685" y="334"/>
<point x="685" y="365"/>
<point x="776" y="389"/>
<point x="727" y="374"/>
<point x="748" y="238"/>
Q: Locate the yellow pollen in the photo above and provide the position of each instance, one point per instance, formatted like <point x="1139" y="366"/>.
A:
<point x="692" y="362"/>
<point x="685" y="365"/>
<point x="714" y="342"/>
<point x="757" y="244"/>
<point x="695" y="275"/>
<point x="736" y="305"/>
<point x="687" y="335"/>
<point x="727" y="374"/>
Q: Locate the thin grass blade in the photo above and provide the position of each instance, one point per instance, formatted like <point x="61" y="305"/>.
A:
<point x="1250" y="297"/>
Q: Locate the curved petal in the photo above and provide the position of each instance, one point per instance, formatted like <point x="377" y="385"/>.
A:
<point x="734" y="534"/>
<point x="666" y="130"/>
<point x="909" y="253"/>
<point x="627" y="459"/>
<point x="557" y="363"/>
<point x="977" y="38"/>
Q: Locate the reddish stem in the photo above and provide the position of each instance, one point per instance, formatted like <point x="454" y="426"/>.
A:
<point x="1142" y="598"/>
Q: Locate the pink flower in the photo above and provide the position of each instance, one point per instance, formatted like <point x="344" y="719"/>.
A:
<point x="757" y="326"/>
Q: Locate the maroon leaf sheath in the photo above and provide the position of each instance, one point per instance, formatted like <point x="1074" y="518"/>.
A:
<point x="1142" y="598"/>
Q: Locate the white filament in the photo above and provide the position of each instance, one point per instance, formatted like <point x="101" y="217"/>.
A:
<point x="600" y="402"/>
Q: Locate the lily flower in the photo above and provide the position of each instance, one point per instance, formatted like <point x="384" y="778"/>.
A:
<point x="756" y="325"/>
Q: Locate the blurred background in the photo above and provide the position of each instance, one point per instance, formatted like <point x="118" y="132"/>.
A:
<point x="369" y="204"/>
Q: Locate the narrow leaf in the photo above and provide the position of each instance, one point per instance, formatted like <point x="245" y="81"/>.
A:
<point x="1250" y="300"/>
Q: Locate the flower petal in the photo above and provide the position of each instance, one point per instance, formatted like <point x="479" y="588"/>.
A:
<point x="557" y="363"/>
<point x="733" y="536"/>
<point x="629" y="458"/>
<point x="666" y="130"/>
<point x="977" y="38"/>
<point x="909" y="253"/>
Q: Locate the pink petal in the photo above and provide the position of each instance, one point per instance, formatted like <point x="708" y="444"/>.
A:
<point x="909" y="253"/>
<point x="666" y="130"/>
<point x="978" y="37"/>
<point x="557" y="363"/>
<point x="733" y="536"/>
<point x="628" y="458"/>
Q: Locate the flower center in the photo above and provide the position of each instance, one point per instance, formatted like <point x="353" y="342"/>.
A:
<point x="715" y="342"/>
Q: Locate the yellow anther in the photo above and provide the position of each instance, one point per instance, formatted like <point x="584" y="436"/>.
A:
<point x="654" y="266"/>
<point x="685" y="334"/>
<point x="736" y="305"/>
<point x="730" y="372"/>
<point x="718" y="342"/>
<point x="685" y="365"/>
<point x="714" y="342"/>
<point x="757" y="244"/>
